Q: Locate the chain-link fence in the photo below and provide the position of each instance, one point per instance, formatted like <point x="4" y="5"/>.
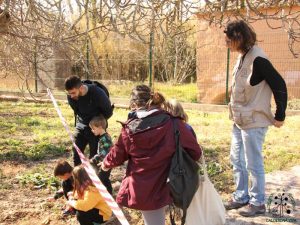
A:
<point x="120" y="74"/>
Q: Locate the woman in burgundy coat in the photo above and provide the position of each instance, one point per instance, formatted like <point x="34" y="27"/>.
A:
<point x="147" y="142"/>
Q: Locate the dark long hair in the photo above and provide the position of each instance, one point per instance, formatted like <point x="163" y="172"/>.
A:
<point x="239" y="30"/>
<point x="81" y="180"/>
<point x="142" y="96"/>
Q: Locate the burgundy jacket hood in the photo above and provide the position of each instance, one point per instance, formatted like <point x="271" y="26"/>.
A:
<point x="148" y="132"/>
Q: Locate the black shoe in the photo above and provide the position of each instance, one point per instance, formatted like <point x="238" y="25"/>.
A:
<point x="234" y="205"/>
<point x="252" y="210"/>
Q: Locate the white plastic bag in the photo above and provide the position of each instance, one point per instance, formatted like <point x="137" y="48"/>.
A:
<point x="206" y="207"/>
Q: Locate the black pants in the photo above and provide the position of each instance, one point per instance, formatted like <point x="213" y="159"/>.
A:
<point x="88" y="217"/>
<point x="84" y="136"/>
<point x="67" y="186"/>
<point x="104" y="177"/>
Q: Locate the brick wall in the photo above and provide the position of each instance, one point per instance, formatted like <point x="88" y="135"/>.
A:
<point x="212" y="59"/>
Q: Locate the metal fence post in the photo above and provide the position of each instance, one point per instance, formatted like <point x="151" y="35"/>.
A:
<point x="150" y="59"/>
<point x="227" y="76"/>
<point x="35" y="66"/>
<point x="87" y="40"/>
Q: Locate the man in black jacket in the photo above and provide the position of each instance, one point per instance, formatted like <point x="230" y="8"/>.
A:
<point x="87" y="101"/>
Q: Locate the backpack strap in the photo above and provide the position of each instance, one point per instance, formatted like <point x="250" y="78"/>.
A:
<point x="177" y="143"/>
<point x="75" y="118"/>
<point x="183" y="216"/>
<point x="172" y="214"/>
<point x="180" y="163"/>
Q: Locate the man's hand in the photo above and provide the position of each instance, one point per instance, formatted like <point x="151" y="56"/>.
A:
<point x="278" y="124"/>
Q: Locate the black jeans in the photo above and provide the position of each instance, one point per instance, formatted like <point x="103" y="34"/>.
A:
<point x="88" y="217"/>
<point x="84" y="136"/>
<point x="104" y="177"/>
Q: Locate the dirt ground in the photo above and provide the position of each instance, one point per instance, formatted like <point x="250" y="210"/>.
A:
<point x="27" y="206"/>
<point x="276" y="182"/>
<point x="21" y="205"/>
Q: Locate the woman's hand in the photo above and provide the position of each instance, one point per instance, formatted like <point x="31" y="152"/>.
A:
<point x="103" y="167"/>
<point x="278" y="124"/>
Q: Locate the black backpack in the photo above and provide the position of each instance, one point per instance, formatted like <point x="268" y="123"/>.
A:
<point x="98" y="84"/>
<point x="183" y="177"/>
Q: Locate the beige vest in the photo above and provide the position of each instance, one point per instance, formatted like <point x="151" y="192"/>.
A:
<point x="250" y="106"/>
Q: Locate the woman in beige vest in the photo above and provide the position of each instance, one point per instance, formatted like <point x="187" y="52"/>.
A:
<point x="254" y="81"/>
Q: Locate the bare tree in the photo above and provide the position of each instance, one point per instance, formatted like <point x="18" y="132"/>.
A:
<point x="176" y="58"/>
<point x="31" y="29"/>
<point x="139" y="18"/>
<point x="34" y="27"/>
